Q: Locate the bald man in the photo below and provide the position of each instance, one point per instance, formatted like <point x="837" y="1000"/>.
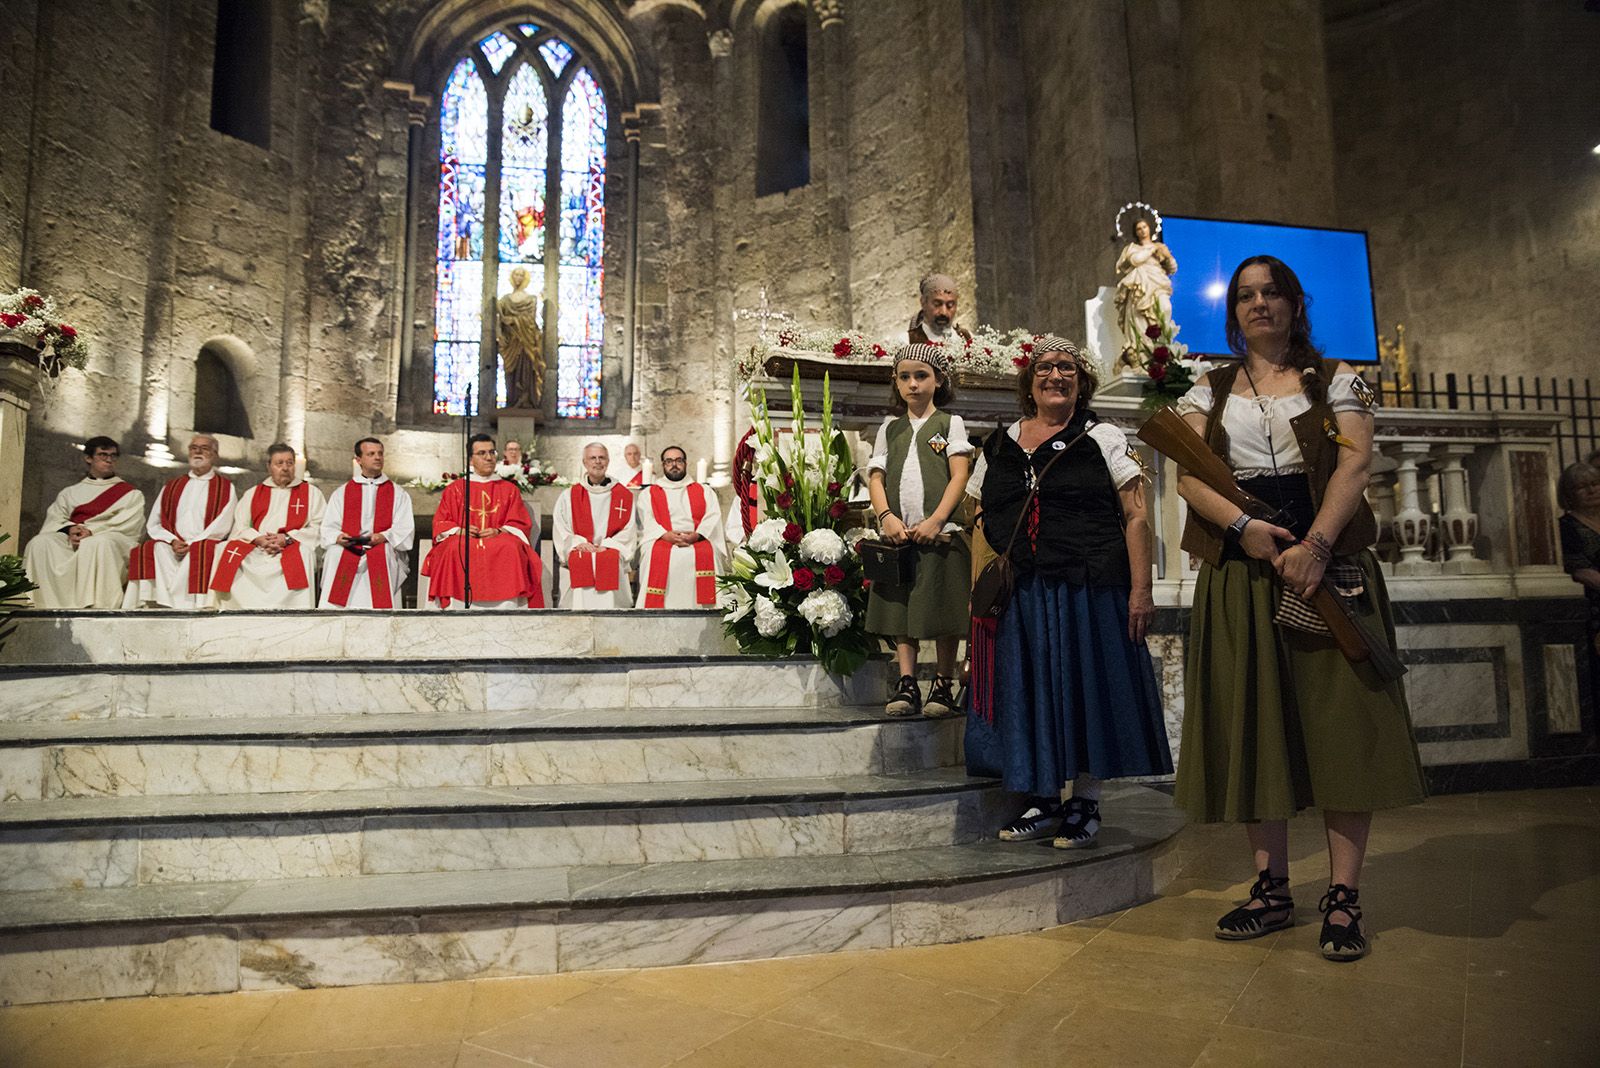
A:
<point x="935" y="321"/>
<point x="595" y="537"/>
<point x="187" y="527"/>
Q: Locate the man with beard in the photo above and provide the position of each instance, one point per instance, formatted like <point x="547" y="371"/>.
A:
<point x="80" y="557"/>
<point x="187" y="527"/>
<point x="935" y="323"/>
<point x="681" y="547"/>
<point x="272" y="557"/>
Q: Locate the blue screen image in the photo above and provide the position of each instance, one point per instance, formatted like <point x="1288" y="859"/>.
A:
<point x="1332" y="266"/>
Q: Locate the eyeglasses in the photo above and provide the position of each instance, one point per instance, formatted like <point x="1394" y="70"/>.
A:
<point x="1045" y="370"/>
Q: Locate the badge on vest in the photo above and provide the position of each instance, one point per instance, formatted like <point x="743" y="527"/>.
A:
<point x="938" y="443"/>
<point x="1364" y="393"/>
<point x="1059" y="446"/>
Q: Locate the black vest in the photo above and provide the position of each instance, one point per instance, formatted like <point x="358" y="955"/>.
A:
<point x="1080" y="516"/>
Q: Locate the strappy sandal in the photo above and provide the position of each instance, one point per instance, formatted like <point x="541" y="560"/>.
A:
<point x="1342" y="941"/>
<point x="1081" y="827"/>
<point x="1276" y="913"/>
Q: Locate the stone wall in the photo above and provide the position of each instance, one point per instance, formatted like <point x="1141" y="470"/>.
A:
<point x="19" y="63"/>
<point x="1463" y="135"/>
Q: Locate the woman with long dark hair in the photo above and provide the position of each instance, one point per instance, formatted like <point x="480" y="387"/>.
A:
<point x="1275" y="718"/>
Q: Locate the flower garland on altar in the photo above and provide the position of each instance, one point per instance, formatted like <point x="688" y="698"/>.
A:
<point x="990" y="354"/>
<point x="796" y="586"/>
<point x="32" y="314"/>
<point x="529" y="476"/>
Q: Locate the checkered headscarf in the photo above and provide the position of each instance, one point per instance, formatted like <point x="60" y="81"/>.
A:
<point x="932" y="355"/>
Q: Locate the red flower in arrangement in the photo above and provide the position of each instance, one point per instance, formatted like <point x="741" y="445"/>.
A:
<point x="1020" y="361"/>
<point x="833" y="487"/>
<point x="67" y="331"/>
<point x="788" y="480"/>
<point x="969" y="342"/>
<point x="1152" y="331"/>
<point x="837" y="509"/>
<point x="785" y="500"/>
<point x="793" y="533"/>
<point x="12" y="320"/>
<point x="833" y="575"/>
<point x="1161" y="354"/>
<point x="1158" y="371"/>
<point x="33" y="301"/>
<point x="1027" y="346"/>
<point x="879" y="352"/>
<point x="804" y="578"/>
<point x="842" y="347"/>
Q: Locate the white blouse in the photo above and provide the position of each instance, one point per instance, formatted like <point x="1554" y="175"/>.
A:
<point x="1258" y="427"/>
<point x="958" y="444"/>
<point x="1114" y="450"/>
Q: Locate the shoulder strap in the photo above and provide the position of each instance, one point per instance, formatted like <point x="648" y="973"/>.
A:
<point x="1037" y="482"/>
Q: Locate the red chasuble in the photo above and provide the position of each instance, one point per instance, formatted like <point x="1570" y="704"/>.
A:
<point x="294" y="566"/>
<point x="142" y="562"/>
<point x="600" y="570"/>
<point x="377" y="553"/>
<point x="503" y="566"/>
<point x="89" y="509"/>
<point x="705" y="561"/>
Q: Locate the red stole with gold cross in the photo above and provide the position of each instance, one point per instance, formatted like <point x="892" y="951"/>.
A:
<point x="705" y="571"/>
<point x="293" y="564"/>
<point x="600" y="570"/>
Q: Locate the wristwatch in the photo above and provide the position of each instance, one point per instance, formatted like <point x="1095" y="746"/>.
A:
<point x="1236" y="528"/>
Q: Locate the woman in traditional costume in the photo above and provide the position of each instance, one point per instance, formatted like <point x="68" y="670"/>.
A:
<point x="1276" y="719"/>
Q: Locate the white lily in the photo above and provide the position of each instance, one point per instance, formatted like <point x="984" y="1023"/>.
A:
<point x="778" y="575"/>
<point x="743" y="604"/>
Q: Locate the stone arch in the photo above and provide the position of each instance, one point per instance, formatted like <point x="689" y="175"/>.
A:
<point x="223" y="364"/>
<point x="783" y="98"/>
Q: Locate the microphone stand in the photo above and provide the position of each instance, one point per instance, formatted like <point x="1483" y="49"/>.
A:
<point x="466" y="501"/>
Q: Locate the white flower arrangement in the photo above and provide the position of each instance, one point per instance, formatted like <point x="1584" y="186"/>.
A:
<point x="822" y="547"/>
<point x="34" y="316"/>
<point x="991" y="353"/>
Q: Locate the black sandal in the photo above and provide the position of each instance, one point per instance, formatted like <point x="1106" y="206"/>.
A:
<point x="1081" y="827"/>
<point x="907" y="699"/>
<point x="1342" y="941"/>
<point x="941" y="698"/>
<point x="1276" y="913"/>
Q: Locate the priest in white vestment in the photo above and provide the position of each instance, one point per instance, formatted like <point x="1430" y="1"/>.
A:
<point x="187" y="527"/>
<point x="632" y="474"/>
<point x="367" y="530"/>
<point x="270" y="560"/>
<point x="79" y="559"/>
<point x="681" y="548"/>
<point x="595" y="537"/>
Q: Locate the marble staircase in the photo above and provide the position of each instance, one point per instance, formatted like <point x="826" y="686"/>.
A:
<point x="199" y="803"/>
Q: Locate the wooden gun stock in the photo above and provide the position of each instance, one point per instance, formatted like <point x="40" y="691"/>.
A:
<point x="1168" y="434"/>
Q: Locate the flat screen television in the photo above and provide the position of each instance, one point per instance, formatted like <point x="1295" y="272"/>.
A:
<point x="1332" y="265"/>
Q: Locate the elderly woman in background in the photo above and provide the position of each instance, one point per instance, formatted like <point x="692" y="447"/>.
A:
<point x="1275" y="718"/>
<point x="1077" y="700"/>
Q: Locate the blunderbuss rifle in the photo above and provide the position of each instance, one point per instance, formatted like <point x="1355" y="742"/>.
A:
<point x="1168" y="434"/>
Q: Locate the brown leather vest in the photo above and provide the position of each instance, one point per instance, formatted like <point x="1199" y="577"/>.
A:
<point x="1204" y="538"/>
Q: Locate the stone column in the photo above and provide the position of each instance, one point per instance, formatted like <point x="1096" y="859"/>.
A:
<point x="835" y="81"/>
<point x="1380" y="494"/>
<point x="1412" y="524"/>
<point x="724" y="383"/>
<point x="19" y="377"/>
<point x="1458" y="523"/>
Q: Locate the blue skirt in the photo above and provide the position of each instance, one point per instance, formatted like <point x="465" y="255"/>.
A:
<point x="1072" y="695"/>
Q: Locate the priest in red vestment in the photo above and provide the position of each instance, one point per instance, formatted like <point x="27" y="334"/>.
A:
<point x="187" y="527"/>
<point x="367" y="534"/>
<point x="270" y="560"/>
<point x="595" y="536"/>
<point x="483" y="534"/>
<point x="680" y="544"/>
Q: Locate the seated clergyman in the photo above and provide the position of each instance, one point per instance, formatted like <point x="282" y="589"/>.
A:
<point x="187" y="528"/>
<point x="367" y="532"/>
<point x="595" y="537"/>
<point x="681" y="547"/>
<point x="80" y="557"/>
<point x="271" y="558"/>
<point x="483" y="541"/>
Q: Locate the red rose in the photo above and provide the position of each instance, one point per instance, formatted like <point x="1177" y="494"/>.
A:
<point x="1152" y="331"/>
<point x="793" y="533"/>
<point x="1161" y="354"/>
<point x="67" y="331"/>
<point x="1027" y="346"/>
<point x="833" y="575"/>
<point x="804" y="578"/>
<point x="1158" y="371"/>
<point x="842" y="349"/>
<point x="788" y="480"/>
<point x="12" y="320"/>
<point x="879" y="351"/>
<point x="837" y="509"/>
<point x="33" y="301"/>
<point x="833" y="487"/>
<point x="785" y="500"/>
<point x="1020" y="361"/>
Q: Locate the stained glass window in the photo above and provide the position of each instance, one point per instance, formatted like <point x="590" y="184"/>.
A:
<point x="519" y="96"/>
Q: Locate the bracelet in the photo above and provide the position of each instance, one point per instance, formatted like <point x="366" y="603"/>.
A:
<point x="886" y="511"/>
<point x="1315" y="549"/>
<point x="1320" y="542"/>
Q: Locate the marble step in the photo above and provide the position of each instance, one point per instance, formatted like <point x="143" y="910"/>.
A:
<point x="58" y="945"/>
<point x="253" y="688"/>
<point x="126" y="758"/>
<point x="46" y="638"/>
<point x="107" y="842"/>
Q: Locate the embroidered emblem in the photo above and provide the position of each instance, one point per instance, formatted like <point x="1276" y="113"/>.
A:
<point x="1334" y="436"/>
<point x="938" y="443"/>
<point x="1059" y="446"/>
<point x="1364" y="392"/>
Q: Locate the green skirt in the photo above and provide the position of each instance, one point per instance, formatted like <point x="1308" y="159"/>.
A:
<point x="1277" y="720"/>
<point x="937" y="605"/>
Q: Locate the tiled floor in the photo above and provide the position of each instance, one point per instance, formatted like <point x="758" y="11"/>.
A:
<point x="1486" y="911"/>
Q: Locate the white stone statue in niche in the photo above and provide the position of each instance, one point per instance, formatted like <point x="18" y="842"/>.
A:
<point x="1144" y="287"/>
<point x="521" y="344"/>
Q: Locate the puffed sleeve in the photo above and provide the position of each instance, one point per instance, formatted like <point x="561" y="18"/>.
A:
<point x="975" y="480"/>
<point x="880" y="449"/>
<point x="1119" y="456"/>
<point x="1198" y="399"/>
<point x="1350" y="393"/>
<point x="959" y="444"/>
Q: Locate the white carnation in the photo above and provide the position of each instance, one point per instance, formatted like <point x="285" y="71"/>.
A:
<point x="855" y="536"/>
<point x="826" y="610"/>
<point x="822" y="547"/>
<point x="768" y="536"/>
<point x="770" y="620"/>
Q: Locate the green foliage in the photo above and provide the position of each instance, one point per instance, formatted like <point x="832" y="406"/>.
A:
<point x="14" y="587"/>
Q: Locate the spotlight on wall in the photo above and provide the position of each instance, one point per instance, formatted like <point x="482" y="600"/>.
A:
<point x="1596" y="150"/>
